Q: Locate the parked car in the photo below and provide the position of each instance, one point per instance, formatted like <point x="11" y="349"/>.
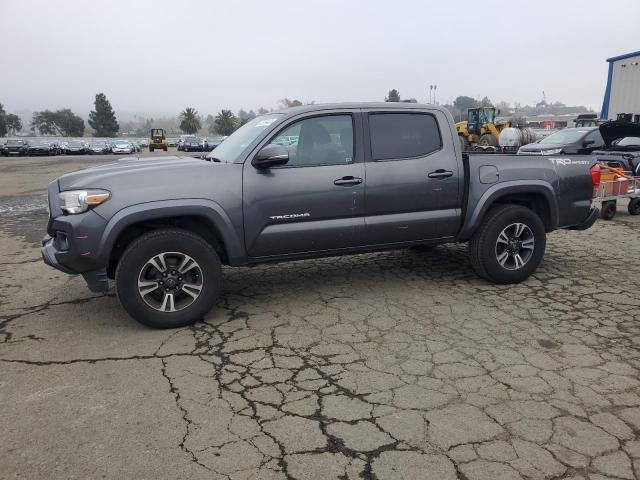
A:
<point x="211" y="144"/>
<point x="193" y="145"/>
<point x="15" y="147"/>
<point x="99" y="148"/>
<point x="363" y="177"/>
<point x="122" y="146"/>
<point x="569" y="141"/>
<point x="56" y="148"/>
<point x="621" y="146"/>
<point x="40" y="147"/>
<point x="136" y="146"/>
<point x="182" y="139"/>
<point x="172" y="142"/>
<point x="76" y="147"/>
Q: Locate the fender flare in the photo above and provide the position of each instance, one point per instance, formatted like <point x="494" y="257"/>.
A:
<point x="474" y="217"/>
<point x="157" y="210"/>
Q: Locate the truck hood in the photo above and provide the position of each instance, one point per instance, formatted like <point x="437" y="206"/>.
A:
<point x="141" y="170"/>
<point x="611" y="131"/>
<point x="134" y="181"/>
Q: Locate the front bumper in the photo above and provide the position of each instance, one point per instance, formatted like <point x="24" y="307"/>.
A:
<point x="72" y="244"/>
<point x="594" y="213"/>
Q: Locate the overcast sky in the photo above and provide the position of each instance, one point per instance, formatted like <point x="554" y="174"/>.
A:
<point x="159" y="56"/>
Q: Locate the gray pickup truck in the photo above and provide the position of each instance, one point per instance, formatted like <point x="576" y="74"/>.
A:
<point x="310" y="181"/>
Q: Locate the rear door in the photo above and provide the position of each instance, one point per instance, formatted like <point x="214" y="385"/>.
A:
<point x="316" y="201"/>
<point x="414" y="183"/>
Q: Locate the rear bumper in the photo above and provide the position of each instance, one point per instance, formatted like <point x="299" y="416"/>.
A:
<point x="594" y="213"/>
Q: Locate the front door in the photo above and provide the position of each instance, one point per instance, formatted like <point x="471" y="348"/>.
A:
<point x="414" y="182"/>
<point x="316" y="201"/>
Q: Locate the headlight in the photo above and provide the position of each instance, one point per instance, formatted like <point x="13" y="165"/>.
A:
<point x="555" y="151"/>
<point x="78" y="201"/>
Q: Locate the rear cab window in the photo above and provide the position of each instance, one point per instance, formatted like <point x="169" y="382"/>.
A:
<point x="397" y="136"/>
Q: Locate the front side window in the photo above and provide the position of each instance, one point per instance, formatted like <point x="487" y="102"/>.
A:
<point x="596" y="137"/>
<point x="396" y="136"/>
<point x="326" y="140"/>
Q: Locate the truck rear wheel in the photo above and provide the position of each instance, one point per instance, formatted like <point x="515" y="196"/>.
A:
<point x="509" y="244"/>
<point x="168" y="278"/>
<point x="634" y="206"/>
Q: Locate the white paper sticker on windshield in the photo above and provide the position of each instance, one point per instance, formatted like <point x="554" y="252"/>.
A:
<point x="265" y="123"/>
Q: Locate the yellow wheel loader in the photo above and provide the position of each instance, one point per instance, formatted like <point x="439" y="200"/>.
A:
<point x="480" y="128"/>
<point x="157" y="140"/>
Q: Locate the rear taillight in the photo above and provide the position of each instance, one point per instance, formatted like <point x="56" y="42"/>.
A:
<point x="595" y="178"/>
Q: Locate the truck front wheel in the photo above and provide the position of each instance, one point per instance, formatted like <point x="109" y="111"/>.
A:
<point x="168" y="278"/>
<point x="509" y="244"/>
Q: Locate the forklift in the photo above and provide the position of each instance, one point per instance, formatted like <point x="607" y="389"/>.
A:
<point x="157" y="140"/>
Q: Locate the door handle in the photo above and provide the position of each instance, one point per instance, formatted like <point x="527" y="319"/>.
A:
<point x="347" y="181"/>
<point x="440" y="173"/>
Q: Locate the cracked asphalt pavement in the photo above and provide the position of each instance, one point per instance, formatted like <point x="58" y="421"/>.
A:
<point x="395" y="365"/>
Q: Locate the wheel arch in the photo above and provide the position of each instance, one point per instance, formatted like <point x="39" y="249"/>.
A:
<point x="538" y="196"/>
<point x="203" y="217"/>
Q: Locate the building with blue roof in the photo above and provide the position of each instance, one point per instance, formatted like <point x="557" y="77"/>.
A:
<point x="622" y="95"/>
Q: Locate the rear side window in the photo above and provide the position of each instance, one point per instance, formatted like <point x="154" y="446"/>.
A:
<point x="403" y="135"/>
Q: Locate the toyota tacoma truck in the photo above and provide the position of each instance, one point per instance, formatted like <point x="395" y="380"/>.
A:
<point x="310" y="181"/>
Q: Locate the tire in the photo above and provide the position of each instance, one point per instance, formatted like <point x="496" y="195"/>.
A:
<point x="156" y="309"/>
<point x="487" y="250"/>
<point x="488" y="140"/>
<point x="464" y="143"/>
<point x="608" y="210"/>
<point x="634" y="206"/>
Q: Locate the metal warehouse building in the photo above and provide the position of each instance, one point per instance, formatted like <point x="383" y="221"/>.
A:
<point x="622" y="94"/>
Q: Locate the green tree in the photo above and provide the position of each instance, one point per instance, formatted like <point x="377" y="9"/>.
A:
<point x="13" y="123"/>
<point x="262" y="111"/>
<point x="463" y="103"/>
<point x="61" y="122"/>
<point x="286" y="103"/>
<point x="3" y="121"/>
<point x="225" y="123"/>
<point x="485" y="102"/>
<point x="189" y="120"/>
<point x="394" y="96"/>
<point x="102" y="119"/>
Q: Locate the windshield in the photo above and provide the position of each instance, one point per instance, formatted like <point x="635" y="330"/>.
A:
<point x="229" y="150"/>
<point x="564" y="137"/>
<point x="626" y="141"/>
<point x="75" y="144"/>
<point x="15" y="142"/>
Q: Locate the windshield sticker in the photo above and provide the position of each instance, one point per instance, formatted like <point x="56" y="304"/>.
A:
<point x="265" y="123"/>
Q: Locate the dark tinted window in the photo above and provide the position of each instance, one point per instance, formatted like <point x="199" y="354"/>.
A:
<point x="596" y="137"/>
<point x="403" y="135"/>
<point x="324" y="140"/>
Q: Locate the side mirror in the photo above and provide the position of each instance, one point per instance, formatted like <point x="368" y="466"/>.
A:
<point x="586" y="143"/>
<point x="270" y="156"/>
